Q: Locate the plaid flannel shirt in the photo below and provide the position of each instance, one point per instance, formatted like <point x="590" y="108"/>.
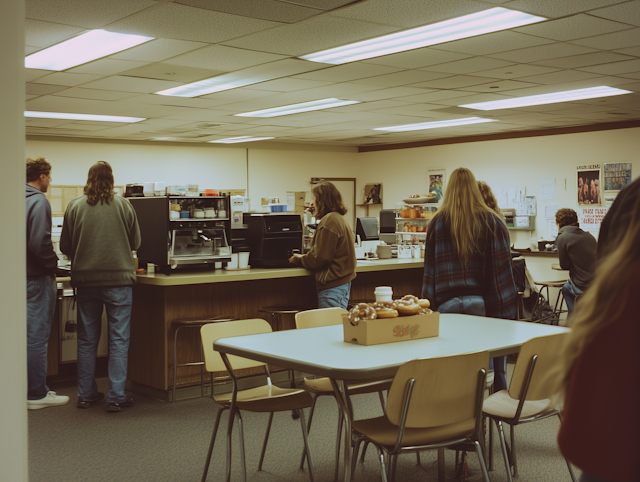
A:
<point x="488" y="272"/>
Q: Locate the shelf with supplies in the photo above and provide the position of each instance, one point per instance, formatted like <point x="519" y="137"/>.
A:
<point x="412" y="221"/>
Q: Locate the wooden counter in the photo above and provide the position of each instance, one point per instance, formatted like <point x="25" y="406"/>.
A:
<point x="160" y="300"/>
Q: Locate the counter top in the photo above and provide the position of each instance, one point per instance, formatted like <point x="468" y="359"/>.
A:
<point x="223" y="276"/>
<point x="546" y="254"/>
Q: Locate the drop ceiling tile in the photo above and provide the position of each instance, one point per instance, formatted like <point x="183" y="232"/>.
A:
<point x="66" y="78"/>
<point x="559" y="77"/>
<point x="433" y="97"/>
<point x="417" y="58"/>
<point x="632" y="75"/>
<point x="611" y="41"/>
<point x="28" y="49"/>
<point x="44" y="34"/>
<point x="408" y="13"/>
<point x="265" y="9"/>
<point x="174" y="101"/>
<point x="470" y="66"/>
<point x="628" y="12"/>
<point x="43" y="89"/>
<point x="615" y="67"/>
<point x="423" y="110"/>
<point x="499" y="86"/>
<point x="572" y="28"/>
<point x="29" y="97"/>
<point x="288" y="84"/>
<point x="561" y="87"/>
<point x="236" y="95"/>
<point x="81" y="93"/>
<point x="348" y="72"/>
<point x="390" y="93"/>
<point x="33" y="74"/>
<point x="54" y="103"/>
<point x="84" y="13"/>
<point x="131" y="84"/>
<point x="312" y="35"/>
<point x="106" y="67"/>
<point x="516" y="71"/>
<point x="635" y="51"/>
<point x="454" y="82"/>
<point x="35" y="122"/>
<point x="180" y="22"/>
<point x="170" y="72"/>
<point x="494" y="43"/>
<point x="543" y="52"/>
<point x="555" y="8"/>
<point x="223" y="58"/>
<point x="158" y="50"/>
<point x="584" y="60"/>
<point x="370" y="106"/>
<point x="399" y="78"/>
<point x="88" y="127"/>
<point x="150" y="110"/>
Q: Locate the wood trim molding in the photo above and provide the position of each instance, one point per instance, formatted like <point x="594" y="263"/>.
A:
<point x="506" y="135"/>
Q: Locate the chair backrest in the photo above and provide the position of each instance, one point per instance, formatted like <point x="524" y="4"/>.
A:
<point x="548" y="350"/>
<point x="444" y="391"/>
<point x="321" y="317"/>
<point x="214" y="331"/>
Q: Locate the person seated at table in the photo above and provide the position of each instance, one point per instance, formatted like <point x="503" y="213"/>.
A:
<point x="467" y="263"/>
<point x="599" y="430"/>
<point x="333" y="254"/>
<point x="577" y="252"/>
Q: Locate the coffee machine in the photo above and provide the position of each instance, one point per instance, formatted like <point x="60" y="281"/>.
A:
<point x="272" y="238"/>
<point x="181" y="232"/>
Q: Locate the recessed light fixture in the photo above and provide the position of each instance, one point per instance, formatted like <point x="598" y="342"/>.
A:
<point x="297" y="108"/>
<point x="487" y="21"/>
<point x="435" y="125"/>
<point x="233" y="140"/>
<point x="82" y="49"/>
<point x="565" y="96"/>
<point x="85" y="117"/>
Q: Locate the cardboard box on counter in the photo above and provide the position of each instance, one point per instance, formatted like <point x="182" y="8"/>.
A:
<point x="296" y="201"/>
<point x="390" y="330"/>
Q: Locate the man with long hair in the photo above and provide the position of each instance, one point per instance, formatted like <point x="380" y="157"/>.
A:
<point x="100" y="231"/>
<point x="41" y="285"/>
<point x="467" y="263"/>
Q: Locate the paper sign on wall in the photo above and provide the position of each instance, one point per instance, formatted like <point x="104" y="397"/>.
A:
<point x="591" y="218"/>
<point x="548" y="188"/>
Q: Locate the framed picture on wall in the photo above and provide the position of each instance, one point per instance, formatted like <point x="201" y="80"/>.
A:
<point x="588" y="183"/>
<point x="436" y="182"/>
<point x="616" y="176"/>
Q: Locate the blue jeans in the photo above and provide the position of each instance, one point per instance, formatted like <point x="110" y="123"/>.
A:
<point x="570" y="291"/>
<point x="118" y="302"/>
<point x="337" y="297"/>
<point x="41" y="303"/>
<point x="474" y="305"/>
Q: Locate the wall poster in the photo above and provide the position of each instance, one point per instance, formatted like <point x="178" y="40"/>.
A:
<point x="617" y="175"/>
<point x="436" y="182"/>
<point x="589" y="185"/>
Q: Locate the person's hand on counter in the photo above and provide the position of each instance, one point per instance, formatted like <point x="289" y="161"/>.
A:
<point x="295" y="259"/>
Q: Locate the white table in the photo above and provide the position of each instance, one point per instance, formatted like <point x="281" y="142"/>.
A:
<point x="323" y="352"/>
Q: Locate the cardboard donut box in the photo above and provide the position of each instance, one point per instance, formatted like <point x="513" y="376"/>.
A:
<point x="390" y="330"/>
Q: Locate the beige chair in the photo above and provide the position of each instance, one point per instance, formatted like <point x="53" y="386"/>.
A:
<point x="527" y="399"/>
<point x="433" y="403"/>
<point x="322" y="386"/>
<point x="266" y="398"/>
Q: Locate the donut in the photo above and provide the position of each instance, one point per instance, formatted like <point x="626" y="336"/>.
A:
<point x="425" y="311"/>
<point x="407" y="308"/>
<point x="390" y="305"/>
<point x="361" y="311"/>
<point x="424" y="303"/>
<point x="385" y="309"/>
<point x="410" y="298"/>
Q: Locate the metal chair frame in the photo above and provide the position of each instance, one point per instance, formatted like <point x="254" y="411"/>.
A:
<point x="557" y="311"/>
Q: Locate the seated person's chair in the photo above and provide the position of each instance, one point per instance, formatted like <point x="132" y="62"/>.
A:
<point x="528" y="397"/>
<point x="433" y="403"/>
<point x="322" y="386"/>
<point x="267" y="398"/>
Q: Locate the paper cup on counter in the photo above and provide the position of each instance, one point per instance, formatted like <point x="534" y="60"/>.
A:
<point x="233" y="264"/>
<point x="243" y="260"/>
<point x="383" y="293"/>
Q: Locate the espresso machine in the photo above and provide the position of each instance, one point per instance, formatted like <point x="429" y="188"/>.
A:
<point x="272" y="238"/>
<point x="181" y="232"/>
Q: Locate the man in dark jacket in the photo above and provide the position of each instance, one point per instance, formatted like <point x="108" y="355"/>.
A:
<point x="577" y="253"/>
<point x="41" y="285"/>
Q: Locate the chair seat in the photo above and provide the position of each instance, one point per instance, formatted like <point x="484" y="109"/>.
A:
<point x="268" y="398"/>
<point x="381" y="431"/>
<point x="501" y="405"/>
<point x="552" y="284"/>
<point x="323" y="385"/>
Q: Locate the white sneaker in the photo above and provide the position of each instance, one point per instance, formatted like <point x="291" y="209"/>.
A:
<point x="51" y="400"/>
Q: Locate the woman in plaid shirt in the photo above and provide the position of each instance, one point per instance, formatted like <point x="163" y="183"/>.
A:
<point x="467" y="262"/>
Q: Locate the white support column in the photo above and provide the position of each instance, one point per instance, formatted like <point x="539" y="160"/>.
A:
<point x="13" y="332"/>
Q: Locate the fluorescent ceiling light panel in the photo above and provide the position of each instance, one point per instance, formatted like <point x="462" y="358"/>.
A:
<point x="82" y="49"/>
<point x="487" y="21"/>
<point x="233" y="140"/>
<point x="566" y="96"/>
<point x="209" y="86"/>
<point x="85" y="117"/>
<point x="435" y="125"/>
<point x="297" y="108"/>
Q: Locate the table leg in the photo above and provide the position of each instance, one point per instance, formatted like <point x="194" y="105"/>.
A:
<point x="342" y="397"/>
<point x="441" y="464"/>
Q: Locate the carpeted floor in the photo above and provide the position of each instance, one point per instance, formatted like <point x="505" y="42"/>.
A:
<point x="159" y="442"/>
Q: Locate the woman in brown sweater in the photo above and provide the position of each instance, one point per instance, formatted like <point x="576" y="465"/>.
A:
<point x="332" y="255"/>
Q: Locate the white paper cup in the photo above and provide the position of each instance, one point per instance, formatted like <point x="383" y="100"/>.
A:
<point x="383" y="293"/>
<point x="233" y="264"/>
<point x="243" y="260"/>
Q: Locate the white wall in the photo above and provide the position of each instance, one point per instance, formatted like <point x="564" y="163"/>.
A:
<point x="13" y="342"/>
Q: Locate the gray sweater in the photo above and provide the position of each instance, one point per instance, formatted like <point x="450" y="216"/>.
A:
<point x="41" y="258"/>
<point x="577" y="253"/>
<point x="99" y="240"/>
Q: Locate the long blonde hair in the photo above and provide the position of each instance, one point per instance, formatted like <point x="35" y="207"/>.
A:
<point x="466" y="212"/>
<point x="604" y="300"/>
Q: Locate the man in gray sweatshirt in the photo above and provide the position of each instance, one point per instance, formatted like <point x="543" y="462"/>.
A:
<point x="99" y="232"/>
<point x="41" y="285"/>
<point x="577" y="253"/>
